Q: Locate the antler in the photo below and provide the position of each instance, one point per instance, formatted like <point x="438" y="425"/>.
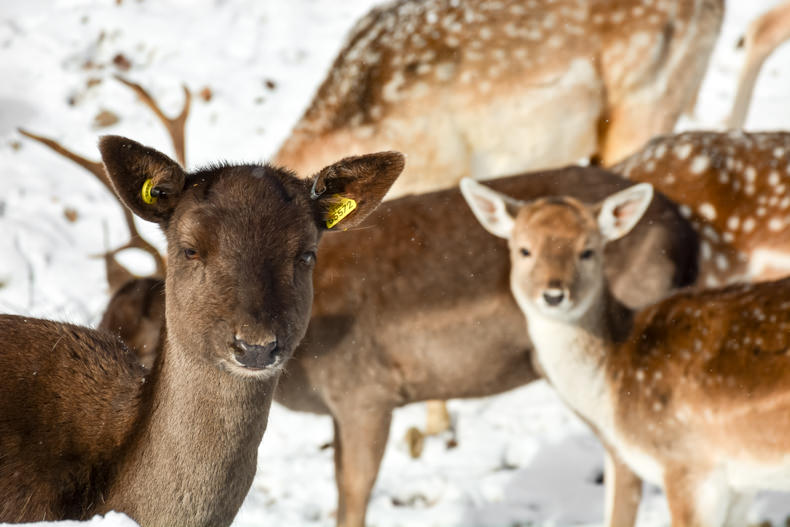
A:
<point x="175" y="126"/>
<point x="116" y="273"/>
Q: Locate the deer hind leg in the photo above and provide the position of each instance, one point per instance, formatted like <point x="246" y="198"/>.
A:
<point x="623" y="493"/>
<point x="698" y="499"/>
<point x="360" y="439"/>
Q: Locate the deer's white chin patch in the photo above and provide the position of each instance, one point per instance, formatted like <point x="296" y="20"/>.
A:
<point x="236" y="368"/>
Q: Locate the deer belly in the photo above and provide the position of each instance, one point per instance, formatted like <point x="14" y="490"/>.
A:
<point x="534" y="125"/>
<point x="748" y="475"/>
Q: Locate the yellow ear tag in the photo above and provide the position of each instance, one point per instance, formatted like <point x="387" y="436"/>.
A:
<point x="146" y="192"/>
<point x="339" y="210"/>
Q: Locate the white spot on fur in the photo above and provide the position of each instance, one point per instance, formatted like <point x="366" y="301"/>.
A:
<point x="683" y="151"/>
<point x="707" y="211"/>
<point x="699" y="164"/>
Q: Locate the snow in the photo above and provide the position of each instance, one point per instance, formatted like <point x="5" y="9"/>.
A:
<point x="521" y="457"/>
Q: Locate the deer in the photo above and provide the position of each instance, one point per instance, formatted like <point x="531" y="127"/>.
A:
<point x="689" y="394"/>
<point x="734" y="189"/>
<point x="85" y="429"/>
<point x="763" y="36"/>
<point x="484" y="89"/>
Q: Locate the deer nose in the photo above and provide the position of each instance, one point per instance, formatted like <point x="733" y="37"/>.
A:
<point x="255" y="356"/>
<point x="553" y="296"/>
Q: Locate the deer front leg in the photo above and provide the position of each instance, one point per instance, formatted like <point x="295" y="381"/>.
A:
<point x="360" y="438"/>
<point x="697" y="498"/>
<point x="623" y="492"/>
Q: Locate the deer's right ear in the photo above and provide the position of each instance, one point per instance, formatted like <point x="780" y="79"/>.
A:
<point x="146" y="180"/>
<point x="495" y="211"/>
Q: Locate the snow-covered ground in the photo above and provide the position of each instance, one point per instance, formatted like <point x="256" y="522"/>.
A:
<point x="521" y="458"/>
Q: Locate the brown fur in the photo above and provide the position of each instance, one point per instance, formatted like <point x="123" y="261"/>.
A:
<point x="416" y="305"/>
<point x="441" y="80"/>
<point x="84" y="432"/>
<point x="735" y="190"/>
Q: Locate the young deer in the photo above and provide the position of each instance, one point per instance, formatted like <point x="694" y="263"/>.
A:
<point x="482" y="88"/>
<point x="763" y="36"/>
<point x="690" y="394"/>
<point x="84" y="431"/>
<point x="735" y="189"/>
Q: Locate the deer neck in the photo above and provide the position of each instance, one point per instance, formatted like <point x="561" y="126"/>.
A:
<point x="574" y="354"/>
<point x="195" y="454"/>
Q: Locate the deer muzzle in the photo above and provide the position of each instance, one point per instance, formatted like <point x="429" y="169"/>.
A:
<point x="255" y="356"/>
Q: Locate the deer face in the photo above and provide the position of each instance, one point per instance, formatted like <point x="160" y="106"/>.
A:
<point x="556" y="244"/>
<point x="242" y="244"/>
<point x="555" y="254"/>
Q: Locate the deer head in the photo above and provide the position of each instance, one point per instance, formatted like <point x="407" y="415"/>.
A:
<point x="241" y="244"/>
<point x="556" y="243"/>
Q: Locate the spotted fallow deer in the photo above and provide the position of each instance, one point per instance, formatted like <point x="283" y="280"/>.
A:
<point x="763" y="36"/>
<point x="735" y="189"/>
<point x="84" y="430"/>
<point x="690" y="394"/>
<point x="485" y="88"/>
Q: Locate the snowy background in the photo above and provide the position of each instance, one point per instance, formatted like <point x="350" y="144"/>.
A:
<point x="521" y="457"/>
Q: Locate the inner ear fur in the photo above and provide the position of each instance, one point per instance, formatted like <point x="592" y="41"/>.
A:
<point x="365" y="179"/>
<point x="129" y="164"/>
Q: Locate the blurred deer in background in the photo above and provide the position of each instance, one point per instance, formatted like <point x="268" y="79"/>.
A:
<point x="486" y="88"/>
<point x="762" y="37"/>
<point x="735" y="189"/>
<point x="691" y="393"/>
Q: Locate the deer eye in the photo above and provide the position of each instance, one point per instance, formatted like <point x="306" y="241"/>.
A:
<point x="307" y="258"/>
<point x="525" y="252"/>
<point x="191" y="254"/>
<point x="587" y="254"/>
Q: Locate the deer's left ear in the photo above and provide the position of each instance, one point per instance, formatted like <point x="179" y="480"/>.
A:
<point x="620" y="212"/>
<point x="344" y="193"/>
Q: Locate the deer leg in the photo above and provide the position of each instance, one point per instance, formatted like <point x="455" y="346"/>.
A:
<point x="697" y="499"/>
<point x="632" y="123"/>
<point x="623" y="492"/>
<point x="739" y="508"/>
<point x="437" y="418"/>
<point x="360" y="438"/>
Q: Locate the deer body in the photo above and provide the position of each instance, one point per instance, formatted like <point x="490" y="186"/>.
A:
<point x="734" y="187"/>
<point x="441" y="80"/>
<point x="82" y="430"/>
<point x="689" y="394"/>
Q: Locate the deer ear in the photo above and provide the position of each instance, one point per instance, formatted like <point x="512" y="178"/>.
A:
<point x="145" y="180"/>
<point x="343" y="194"/>
<point x="620" y="212"/>
<point x="495" y="211"/>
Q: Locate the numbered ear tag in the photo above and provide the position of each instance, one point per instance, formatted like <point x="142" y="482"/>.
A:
<point x="145" y="193"/>
<point x="339" y="210"/>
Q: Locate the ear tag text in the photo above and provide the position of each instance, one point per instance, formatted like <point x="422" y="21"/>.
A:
<point x="148" y="197"/>
<point x="339" y="210"/>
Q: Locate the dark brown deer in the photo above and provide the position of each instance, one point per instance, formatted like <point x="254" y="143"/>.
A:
<point x="83" y="430"/>
<point x="483" y="89"/>
<point x="691" y="394"/>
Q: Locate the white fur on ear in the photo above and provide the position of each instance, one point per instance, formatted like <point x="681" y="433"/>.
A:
<point x="621" y="211"/>
<point x="489" y="207"/>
